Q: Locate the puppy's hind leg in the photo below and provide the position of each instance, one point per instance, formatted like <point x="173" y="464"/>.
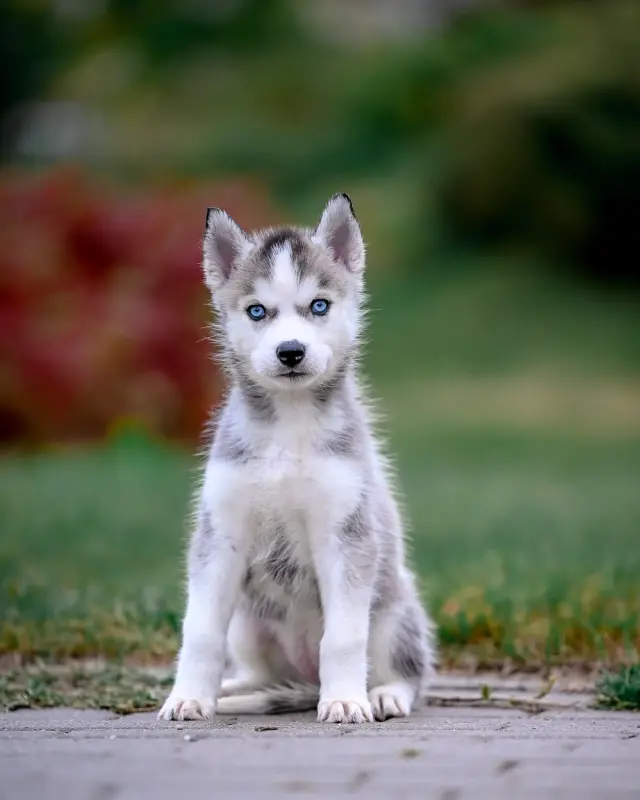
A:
<point x="255" y="653"/>
<point x="401" y="657"/>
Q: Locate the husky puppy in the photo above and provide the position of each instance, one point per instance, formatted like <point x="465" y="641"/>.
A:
<point x="297" y="566"/>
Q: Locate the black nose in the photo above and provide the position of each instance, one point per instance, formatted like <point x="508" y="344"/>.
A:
<point x="290" y="353"/>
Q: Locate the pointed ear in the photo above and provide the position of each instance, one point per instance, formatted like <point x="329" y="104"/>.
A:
<point x="339" y="231"/>
<point x="224" y="245"/>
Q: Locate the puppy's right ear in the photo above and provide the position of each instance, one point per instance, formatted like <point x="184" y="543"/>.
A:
<point x="225" y="244"/>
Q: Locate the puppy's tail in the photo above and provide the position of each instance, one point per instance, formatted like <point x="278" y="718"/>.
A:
<point x="280" y="699"/>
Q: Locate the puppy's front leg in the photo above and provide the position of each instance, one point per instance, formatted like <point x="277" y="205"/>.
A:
<point x="345" y="575"/>
<point x="217" y="563"/>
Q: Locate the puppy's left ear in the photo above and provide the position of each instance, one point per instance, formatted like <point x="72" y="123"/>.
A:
<point x="339" y="231"/>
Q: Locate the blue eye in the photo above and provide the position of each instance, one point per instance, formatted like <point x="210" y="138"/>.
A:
<point x="319" y="307"/>
<point x="256" y="312"/>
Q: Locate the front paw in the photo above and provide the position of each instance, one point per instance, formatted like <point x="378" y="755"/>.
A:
<point x="183" y="708"/>
<point x="353" y="711"/>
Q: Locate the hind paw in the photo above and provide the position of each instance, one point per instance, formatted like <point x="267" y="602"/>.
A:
<point x="390" y="701"/>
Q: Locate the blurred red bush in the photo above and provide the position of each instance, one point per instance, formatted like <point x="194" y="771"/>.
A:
<point x="103" y="314"/>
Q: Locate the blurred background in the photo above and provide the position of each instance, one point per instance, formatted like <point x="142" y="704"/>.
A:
<point x="492" y="152"/>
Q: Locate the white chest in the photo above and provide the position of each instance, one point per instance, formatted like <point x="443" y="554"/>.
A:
<point x="285" y="481"/>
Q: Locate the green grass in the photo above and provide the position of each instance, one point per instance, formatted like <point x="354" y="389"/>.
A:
<point x="621" y="689"/>
<point x="517" y="442"/>
<point x="527" y="546"/>
<point x="94" y="562"/>
<point x="116" y="688"/>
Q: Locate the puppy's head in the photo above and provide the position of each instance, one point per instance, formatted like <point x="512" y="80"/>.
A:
<point x="288" y="299"/>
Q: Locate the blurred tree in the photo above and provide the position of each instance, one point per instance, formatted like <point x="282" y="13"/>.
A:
<point x="168" y="29"/>
<point x="546" y="149"/>
<point x="31" y="52"/>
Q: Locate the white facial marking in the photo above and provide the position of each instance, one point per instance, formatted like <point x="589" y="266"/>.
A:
<point x="326" y="339"/>
<point x="284" y="283"/>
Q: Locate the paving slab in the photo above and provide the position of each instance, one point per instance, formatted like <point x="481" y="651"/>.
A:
<point x="448" y="753"/>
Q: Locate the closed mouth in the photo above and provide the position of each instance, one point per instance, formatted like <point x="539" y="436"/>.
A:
<point x="293" y="375"/>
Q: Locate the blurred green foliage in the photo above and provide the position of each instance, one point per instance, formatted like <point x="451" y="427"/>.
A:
<point x="546" y="150"/>
<point x="31" y="50"/>
<point x="169" y="30"/>
<point x="512" y="126"/>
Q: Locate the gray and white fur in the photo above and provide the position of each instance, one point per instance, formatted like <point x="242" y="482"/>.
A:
<point x="297" y="566"/>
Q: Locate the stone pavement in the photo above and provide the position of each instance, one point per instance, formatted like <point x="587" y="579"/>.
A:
<point x="552" y="747"/>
